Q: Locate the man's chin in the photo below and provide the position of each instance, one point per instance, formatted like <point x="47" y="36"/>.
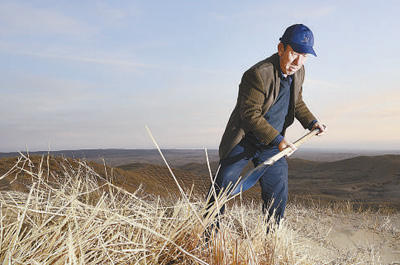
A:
<point x="292" y="71"/>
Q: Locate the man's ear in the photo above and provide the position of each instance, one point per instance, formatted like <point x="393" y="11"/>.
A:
<point x="281" y="49"/>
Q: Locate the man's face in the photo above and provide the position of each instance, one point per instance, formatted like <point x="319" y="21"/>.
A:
<point x="290" y="60"/>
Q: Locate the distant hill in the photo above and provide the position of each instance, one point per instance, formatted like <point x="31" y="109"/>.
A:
<point x="152" y="179"/>
<point x="179" y="157"/>
<point x="372" y="180"/>
<point x="116" y="157"/>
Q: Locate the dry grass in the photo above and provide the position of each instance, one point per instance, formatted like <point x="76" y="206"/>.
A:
<point x="83" y="218"/>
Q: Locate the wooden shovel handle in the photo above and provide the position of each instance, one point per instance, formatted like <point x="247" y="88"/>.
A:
<point x="306" y="137"/>
<point x="288" y="150"/>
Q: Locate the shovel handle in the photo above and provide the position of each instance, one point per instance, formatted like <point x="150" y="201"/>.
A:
<point x="288" y="150"/>
<point x="306" y="137"/>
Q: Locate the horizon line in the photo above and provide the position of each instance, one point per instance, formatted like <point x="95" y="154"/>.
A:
<point x="315" y="149"/>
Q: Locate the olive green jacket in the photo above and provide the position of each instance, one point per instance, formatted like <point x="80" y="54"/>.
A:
<point x="258" y="91"/>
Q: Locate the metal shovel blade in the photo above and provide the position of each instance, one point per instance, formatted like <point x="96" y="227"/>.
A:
<point x="251" y="178"/>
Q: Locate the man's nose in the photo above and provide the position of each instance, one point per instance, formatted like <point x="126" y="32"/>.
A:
<point x="297" y="61"/>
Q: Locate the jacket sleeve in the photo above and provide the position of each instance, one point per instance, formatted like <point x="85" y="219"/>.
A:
<point x="302" y="113"/>
<point x="252" y="95"/>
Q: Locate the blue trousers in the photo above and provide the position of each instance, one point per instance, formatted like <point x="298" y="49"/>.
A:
<point x="274" y="180"/>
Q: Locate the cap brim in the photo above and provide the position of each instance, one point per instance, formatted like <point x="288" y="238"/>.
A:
<point x="303" y="48"/>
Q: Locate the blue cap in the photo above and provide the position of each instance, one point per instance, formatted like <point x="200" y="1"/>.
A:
<point x="300" y="38"/>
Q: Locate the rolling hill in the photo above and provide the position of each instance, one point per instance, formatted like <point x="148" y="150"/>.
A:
<point x="373" y="180"/>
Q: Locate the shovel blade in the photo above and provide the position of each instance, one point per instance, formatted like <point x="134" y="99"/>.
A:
<point x="249" y="180"/>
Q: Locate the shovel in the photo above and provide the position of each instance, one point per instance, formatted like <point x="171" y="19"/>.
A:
<point x="251" y="178"/>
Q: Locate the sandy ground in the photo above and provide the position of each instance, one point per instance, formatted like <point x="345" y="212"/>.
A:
<point x="336" y="238"/>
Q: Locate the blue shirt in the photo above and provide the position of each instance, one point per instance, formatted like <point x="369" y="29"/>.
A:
<point x="276" y="115"/>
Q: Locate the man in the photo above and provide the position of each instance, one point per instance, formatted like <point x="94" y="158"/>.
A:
<point x="270" y="97"/>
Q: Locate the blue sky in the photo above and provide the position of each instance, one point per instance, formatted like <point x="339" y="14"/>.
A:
<point x="92" y="74"/>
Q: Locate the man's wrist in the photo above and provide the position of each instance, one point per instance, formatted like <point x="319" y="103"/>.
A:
<point x="277" y="140"/>
<point x="311" y="124"/>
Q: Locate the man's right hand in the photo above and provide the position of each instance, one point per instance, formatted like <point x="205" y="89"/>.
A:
<point x="286" y="144"/>
<point x="322" y="128"/>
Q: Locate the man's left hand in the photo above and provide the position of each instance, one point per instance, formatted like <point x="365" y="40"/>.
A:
<point x="322" y="128"/>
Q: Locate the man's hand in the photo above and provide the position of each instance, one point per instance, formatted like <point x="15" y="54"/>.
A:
<point x="286" y="144"/>
<point x="322" y="128"/>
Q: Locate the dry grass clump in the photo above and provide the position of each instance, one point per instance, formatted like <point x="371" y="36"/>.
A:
<point x="80" y="217"/>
